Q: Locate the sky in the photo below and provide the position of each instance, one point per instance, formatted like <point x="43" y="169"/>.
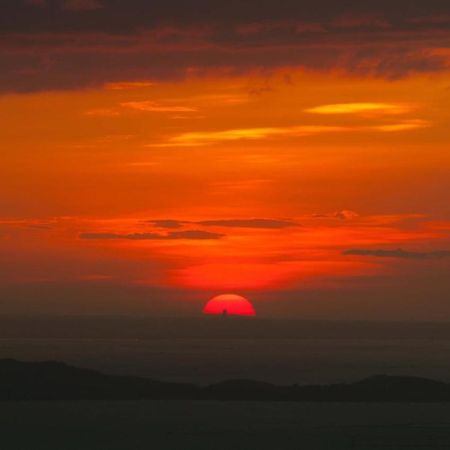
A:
<point x="155" y="154"/>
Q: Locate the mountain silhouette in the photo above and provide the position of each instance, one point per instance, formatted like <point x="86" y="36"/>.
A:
<point x="57" y="381"/>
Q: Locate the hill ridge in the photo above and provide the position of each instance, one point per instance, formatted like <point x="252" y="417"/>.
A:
<point x="59" y="381"/>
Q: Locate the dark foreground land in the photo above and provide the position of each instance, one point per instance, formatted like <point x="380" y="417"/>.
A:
<point x="53" y="406"/>
<point x="57" y="381"/>
<point x="193" y="425"/>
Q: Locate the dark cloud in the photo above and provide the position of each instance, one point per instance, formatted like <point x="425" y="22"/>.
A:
<point x="68" y="5"/>
<point x="133" y="15"/>
<point x="69" y="44"/>
<point x="174" y="235"/>
<point x="169" y="223"/>
<point x="248" y="223"/>
<point x="81" y="5"/>
<point x="231" y="223"/>
<point x="398" y="253"/>
<point x="194" y="234"/>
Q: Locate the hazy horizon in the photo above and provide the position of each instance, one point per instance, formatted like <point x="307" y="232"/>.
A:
<point x="205" y="350"/>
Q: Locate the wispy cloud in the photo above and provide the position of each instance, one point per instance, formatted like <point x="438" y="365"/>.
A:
<point x="253" y="223"/>
<point x="398" y="253"/>
<point x="102" y="112"/>
<point x="194" y="235"/>
<point x="358" y="108"/>
<point x="199" y="138"/>
<point x="358" y="20"/>
<point x="127" y="85"/>
<point x="345" y="214"/>
<point x="403" y="126"/>
<point x="166" y="223"/>
<point x="197" y="235"/>
<point x="211" y="137"/>
<point x="149" y="106"/>
<point x="249" y="223"/>
<point x="35" y="224"/>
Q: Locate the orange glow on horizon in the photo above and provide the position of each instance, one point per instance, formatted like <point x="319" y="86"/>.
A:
<point x="155" y="179"/>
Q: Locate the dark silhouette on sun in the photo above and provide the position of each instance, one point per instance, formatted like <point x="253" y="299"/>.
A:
<point x="229" y="305"/>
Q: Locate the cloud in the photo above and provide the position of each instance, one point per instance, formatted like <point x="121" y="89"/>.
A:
<point x="199" y="138"/>
<point x="35" y="224"/>
<point x="357" y="108"/>
<point x="38" y="3"/>
<point x="211" y="137"/>
<point x="431" y="19"/>
<point x="227" y="223"/>
<point x="305" y="27"/>
<point x="100" y="42"/>
<point x="361" y="20"/>
<point x="127" y="85"/>
<point x="254" y="15"/>
<point x="149" y="106"/>
<point x="197" y="235"/>
<point x="406" y="125"/>
<point x="249" y="223"/>
<point x="345" y="214"/>
<point x="398" y="253"/>
<point x="81" y="5"/>
<point x="69" y="61"/>
<point x="166" y="223"/>
<point x="68" y="5"/>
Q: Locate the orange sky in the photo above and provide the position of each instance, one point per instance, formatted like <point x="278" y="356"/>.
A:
<point x="288" y="180"/>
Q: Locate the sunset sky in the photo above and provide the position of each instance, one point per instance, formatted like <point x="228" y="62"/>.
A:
<point x="154" y="154"/>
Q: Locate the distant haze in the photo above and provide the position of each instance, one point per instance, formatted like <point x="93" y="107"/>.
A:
<point x="213" y="349"/>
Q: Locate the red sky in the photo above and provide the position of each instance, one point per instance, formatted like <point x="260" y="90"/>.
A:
<point x="151" y="159"/>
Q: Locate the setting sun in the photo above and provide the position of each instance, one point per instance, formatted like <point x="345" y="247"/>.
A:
<point x="229" y="304"/>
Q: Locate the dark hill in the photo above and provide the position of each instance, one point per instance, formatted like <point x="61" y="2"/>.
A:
<point x="21" y="381"/>
<point x="59" y="381"/>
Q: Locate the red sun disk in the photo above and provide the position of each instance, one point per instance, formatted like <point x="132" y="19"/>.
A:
<point x="229" y="304"/>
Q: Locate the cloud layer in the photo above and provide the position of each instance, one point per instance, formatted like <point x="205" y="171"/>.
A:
<point x="398" y="253"/>
<point x="254" y="223"/>
<point x="67" y="44"/>
<point x="196" y="235"/>
<point x="249" y="223"/>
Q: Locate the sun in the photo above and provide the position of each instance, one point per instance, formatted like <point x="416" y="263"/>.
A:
<point x="229" y="304"/>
